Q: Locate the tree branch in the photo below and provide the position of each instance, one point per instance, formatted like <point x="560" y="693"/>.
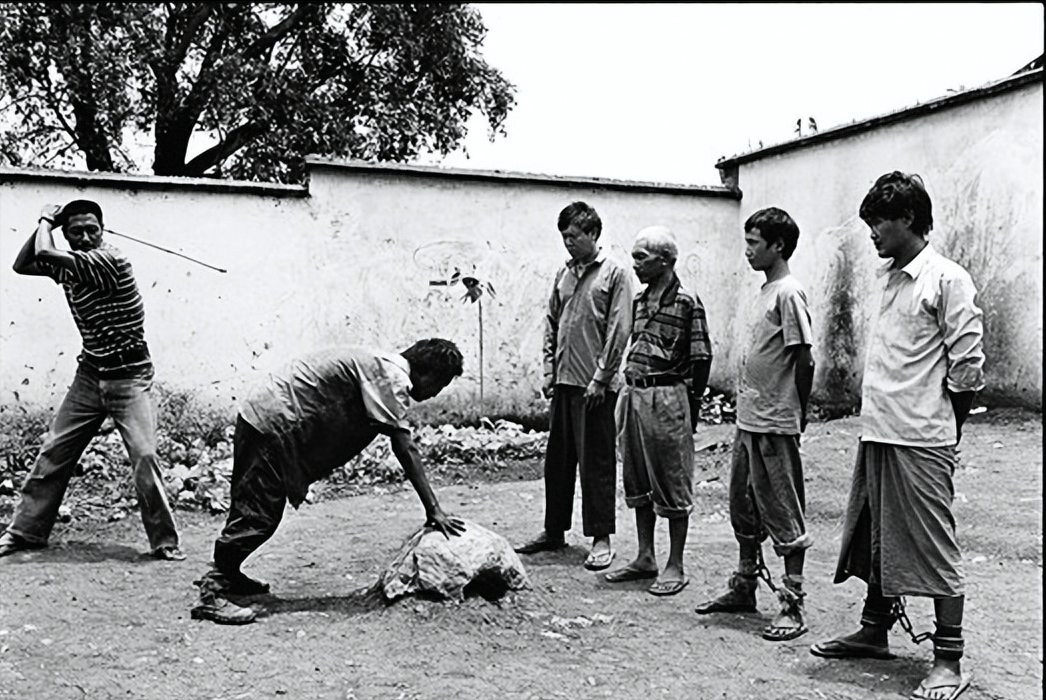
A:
<point x="236" y="139"/>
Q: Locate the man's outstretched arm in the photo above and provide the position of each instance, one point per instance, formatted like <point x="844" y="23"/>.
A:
<point x="408" y="456"/>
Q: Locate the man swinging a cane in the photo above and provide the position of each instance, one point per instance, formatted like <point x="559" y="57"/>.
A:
<point x="113" y="379"/>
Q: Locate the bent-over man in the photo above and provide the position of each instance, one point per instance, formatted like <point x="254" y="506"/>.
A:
<point x="305" y="421"/>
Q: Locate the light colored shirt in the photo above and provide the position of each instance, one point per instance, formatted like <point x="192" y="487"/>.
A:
<point x="767" y="398"/>
<point x="324" y="408"/>
<point x="926" y="341"/>
<point x="587" y="324"/>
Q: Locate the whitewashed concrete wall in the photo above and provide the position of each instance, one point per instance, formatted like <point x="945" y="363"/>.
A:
<point x="982" y="162"/>
<point x="350" y="260"/>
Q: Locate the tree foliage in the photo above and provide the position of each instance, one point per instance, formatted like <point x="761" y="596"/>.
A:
<point x="260" y="85"/>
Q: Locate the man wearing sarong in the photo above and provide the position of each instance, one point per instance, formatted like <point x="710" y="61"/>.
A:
<point x="924" y="366"/>
<point x="666" y="370"/>
<point x="301" y="424"/>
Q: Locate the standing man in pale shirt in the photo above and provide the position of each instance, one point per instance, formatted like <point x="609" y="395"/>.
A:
<point x="586" y="330"/>
<point x="767" y="490"/>
<point x="925" y="364"/>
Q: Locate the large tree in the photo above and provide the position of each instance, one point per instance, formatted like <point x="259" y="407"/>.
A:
<point x="260" y="85"/>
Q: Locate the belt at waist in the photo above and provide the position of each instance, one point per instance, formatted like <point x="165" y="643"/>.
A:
<point x="117" y="363"/>
<point x="655" y="380"/>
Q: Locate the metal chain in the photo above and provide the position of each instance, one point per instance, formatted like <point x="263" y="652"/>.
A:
<point x="906" y="624"/>
<point x="762" y="572"/>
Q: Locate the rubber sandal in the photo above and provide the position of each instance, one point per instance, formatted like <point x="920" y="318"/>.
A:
<point x="784" y="634"/>
<point x="629" y="573"/>
<point x="541" y="543"/>
<point x="600" y="561"/>
<point x="663" y="588"/>
<point x="921" y="692"/>
<point x="843" y="649"/>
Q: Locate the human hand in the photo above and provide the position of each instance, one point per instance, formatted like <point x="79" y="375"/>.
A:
<point x="50" y="212"/>
<point x="595" y="393"/>
<point x="548" y="387"/>
<point x="438" y="520"/>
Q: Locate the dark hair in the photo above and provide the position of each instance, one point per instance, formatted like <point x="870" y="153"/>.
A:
<point x="583" y="216"/>
<point x="775" y="225"/>
<point x="435" y="356"/>
<point x="895" y="196"/>
<point x="77" y="207"/>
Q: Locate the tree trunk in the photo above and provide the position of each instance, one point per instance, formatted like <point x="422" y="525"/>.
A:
<point x="172" y="143"/>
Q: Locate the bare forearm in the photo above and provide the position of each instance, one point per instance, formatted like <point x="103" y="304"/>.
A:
<point x="699" y="371"/>
<point x="804" y="382"/>
<point x="44" y="239"/>
<point x="407" y="454"/>
<point x="962" y="402"/>
<point x="25" y="262"/>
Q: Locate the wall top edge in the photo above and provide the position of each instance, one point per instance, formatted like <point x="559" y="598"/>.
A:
<point x="130" y="181"/>
<point x="431" y="171"/>
<point x="908" y="113"/>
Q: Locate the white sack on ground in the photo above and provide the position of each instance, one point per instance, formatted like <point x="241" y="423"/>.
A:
<point x="433" y="564"/>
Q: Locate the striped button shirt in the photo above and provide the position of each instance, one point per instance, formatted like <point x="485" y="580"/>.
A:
<point x="668" y="334"/>
<point x="106" y="305"/>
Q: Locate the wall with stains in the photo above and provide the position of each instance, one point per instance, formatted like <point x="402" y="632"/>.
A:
<point x="982" y="163"/>
<point x="366" y="255"/>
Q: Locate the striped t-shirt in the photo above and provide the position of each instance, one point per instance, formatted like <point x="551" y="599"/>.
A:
<point x="106" y="306"/>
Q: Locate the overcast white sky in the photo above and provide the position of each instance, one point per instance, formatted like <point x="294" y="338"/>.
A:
<point x="660" y="92"/>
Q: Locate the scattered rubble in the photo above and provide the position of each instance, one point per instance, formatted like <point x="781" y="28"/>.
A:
<point x="195" y="449"/>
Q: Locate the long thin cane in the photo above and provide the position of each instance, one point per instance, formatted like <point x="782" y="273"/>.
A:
<point x="172" y="252"/>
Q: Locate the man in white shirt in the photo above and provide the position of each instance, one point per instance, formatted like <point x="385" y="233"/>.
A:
<point x="924" y="366"/>
<point x="300" y="425"/>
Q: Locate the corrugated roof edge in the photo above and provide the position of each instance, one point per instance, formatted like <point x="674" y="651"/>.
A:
<point x="1007" y="84"/>
<point x="360" y="166"/>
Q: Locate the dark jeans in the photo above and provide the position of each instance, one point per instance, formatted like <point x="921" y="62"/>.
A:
<point x="580" y="440"/>
<point x="257" y="500"/>
<point x="83" y="410"/>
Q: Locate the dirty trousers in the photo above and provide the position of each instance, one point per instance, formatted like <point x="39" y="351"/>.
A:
<point x="257" y="500"/>
<point x="580" y="441"/>
<point x="83" y="410"/>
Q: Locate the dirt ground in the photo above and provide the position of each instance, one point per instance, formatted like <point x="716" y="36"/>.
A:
<point x="91" y="617"/>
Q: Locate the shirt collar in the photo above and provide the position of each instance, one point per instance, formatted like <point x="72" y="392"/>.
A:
<point x="401" y="362"/>
<point x="669" y="295"/>
<point x="600" y="257"/>
<point x="915" y="266"/>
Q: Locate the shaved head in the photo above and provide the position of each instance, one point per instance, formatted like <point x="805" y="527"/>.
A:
<point x="659" y="240"/>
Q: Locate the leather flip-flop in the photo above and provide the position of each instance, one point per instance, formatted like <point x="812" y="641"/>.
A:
<point x="667" y="587"/>
<point x="629" y="573"/>
<point x="599" y="561"/>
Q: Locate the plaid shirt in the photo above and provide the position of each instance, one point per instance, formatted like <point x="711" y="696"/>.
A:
<point x="668" y="334"/>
